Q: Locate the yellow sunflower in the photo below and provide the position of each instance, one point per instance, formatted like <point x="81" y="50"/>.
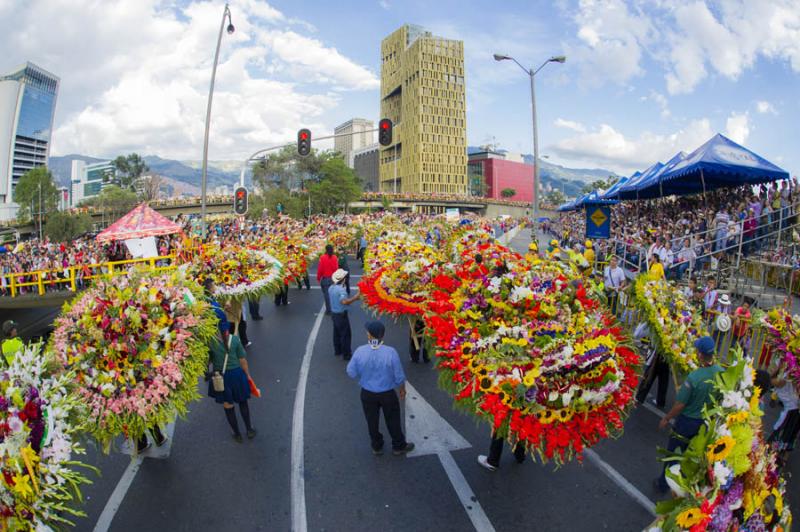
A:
<point x="688" y="518"/>
<point x="720" y="449"/>
<point x="737" y="417"/>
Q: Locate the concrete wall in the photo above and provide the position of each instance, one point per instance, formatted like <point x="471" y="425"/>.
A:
<point x="494" y="210"/>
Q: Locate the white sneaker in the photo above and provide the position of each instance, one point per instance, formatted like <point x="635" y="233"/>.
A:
<point x="484" y="461"/>
<point x="248" y="344"/>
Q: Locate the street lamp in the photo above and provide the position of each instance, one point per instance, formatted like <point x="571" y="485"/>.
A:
<point x="532" y="73"/>
<point x="226" y="15"/>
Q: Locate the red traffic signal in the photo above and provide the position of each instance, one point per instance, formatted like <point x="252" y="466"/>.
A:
<point x="385" y="132"/>
<point x="304" y="142"/>
<point x="240" y="201"/>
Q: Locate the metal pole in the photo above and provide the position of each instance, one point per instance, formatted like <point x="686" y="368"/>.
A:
<point x="535" y="210"/>
<point x="225" y="13"/>
<point x="395" y="168"/>
<point x="40" y="210"/>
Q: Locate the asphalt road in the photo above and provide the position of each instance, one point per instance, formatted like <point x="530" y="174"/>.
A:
<point x="209" y="482"/>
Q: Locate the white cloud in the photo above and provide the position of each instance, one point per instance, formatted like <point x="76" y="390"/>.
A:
<point x="607" y="147"/>
<point x="569" y="124"/>
<point x="134" y="75"/>
<point x="765" y="107"/>
<point x="737" y="127"/>
<point x="384" y="4"/>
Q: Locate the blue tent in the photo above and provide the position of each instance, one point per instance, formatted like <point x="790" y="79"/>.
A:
<point x="630" y="190"/>
<point x="653" y="186"/>
<point x="611" y="193"/>
<point x="719" y="163"/>
<point x="568" y="206"/>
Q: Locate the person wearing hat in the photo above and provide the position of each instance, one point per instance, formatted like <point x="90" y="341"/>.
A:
<point x="341" y="322"/>
<point x="378" y="370"/>
<point x="12" y="344"/>
<point x="588" y="253"/>
<point x="553" y="247"/>
<point x="690" y="401"/>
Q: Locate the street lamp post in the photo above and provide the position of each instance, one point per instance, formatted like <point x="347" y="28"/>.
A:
<point x="226" y="14"/>
<point x="532" y="74"/>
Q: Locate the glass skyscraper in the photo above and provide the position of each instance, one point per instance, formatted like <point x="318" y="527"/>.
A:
<point x="27" y="107"/>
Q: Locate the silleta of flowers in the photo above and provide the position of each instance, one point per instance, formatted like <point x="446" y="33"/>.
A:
<point x="239" y="273"/>
<point x="400" y="271"/>
<point x="39" y="423"/>
<point x="676" y="324"/>
<point x="785" y="331"/>
<point x="520" y="345"/>
<point x="727" y="478"/>
<point x="135" y="347"/>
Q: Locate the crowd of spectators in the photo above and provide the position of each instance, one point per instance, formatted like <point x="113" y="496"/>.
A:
<point x="696" y="233"/>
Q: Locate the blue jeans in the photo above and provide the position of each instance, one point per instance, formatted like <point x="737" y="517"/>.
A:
<point x="326" y="283"/>
<point x="684" y="430"/>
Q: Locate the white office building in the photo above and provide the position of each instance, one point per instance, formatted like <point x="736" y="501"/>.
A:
<point x="27" y="108"/>
<point x="357" y="133"/>
<point x="87" y="180"/>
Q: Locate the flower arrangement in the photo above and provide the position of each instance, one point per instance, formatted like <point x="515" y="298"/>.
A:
<point x="727" y="478"/>
<point x="785" y="332"/>
<point x="39" y="425"/>
<point x="530" y="352"/>
<point x="239" y="273"/>
<point x="676" y="324"/>
<point x="135" y="347"/>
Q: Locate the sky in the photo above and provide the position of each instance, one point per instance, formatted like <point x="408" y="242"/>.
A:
<point x="642" y="80"/>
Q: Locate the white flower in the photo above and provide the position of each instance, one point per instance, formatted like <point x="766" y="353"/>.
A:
<point x="734" y="400"/>
<point x="494" y="285"/>
<point x="722" y="473"/>
<point x="519" y="293"/>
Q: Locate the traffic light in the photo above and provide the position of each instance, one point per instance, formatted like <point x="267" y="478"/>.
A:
<point x="240" y="201"/>
<point x="385" y="132"/>
<point x="304" y="142"/>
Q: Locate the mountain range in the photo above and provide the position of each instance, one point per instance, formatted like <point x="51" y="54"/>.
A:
<point x="183" y="177"/>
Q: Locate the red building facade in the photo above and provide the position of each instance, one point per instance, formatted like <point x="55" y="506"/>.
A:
<point x="497" y="174"/>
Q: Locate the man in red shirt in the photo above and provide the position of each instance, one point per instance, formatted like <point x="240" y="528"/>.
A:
<point x="328" y="263"/>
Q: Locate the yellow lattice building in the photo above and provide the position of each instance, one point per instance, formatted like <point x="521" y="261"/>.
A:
<point x="422" y="92"/>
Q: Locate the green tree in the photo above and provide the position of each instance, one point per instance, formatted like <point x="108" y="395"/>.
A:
<point x="508" y="193"/>
<point x="386" y="203"/>
<point x="294" y="205"/>
<point x="337" y="188"/>
<point x="36" y="188"/>
<point x="555" y="197"/>
<point x="599" y="184"/>
<point x="63" y="226"/>
<point x="113" y="201"/>
<point x="129" y="168"/>
<point x="285" y="168"/>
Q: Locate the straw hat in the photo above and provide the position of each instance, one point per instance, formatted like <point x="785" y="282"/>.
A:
<point x="338" y="276"/>
<point x="723" y="323"/>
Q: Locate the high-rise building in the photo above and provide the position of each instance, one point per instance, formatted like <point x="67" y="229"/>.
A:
<point x="358" y="133"/>
<point x="365" y="165"/>
<point x="493" y="172"/>
<point x="422" y="92"/>
<point x="88" y="180"/>
<point x="27" y="107"/>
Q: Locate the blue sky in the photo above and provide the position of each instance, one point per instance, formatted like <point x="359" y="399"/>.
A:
<point x="642" y="79"/>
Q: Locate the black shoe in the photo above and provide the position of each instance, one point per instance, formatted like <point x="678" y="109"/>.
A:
<point x="237" y="438"/>
<point x="415" y="360"/>
<point x="348" y="357"/>
<point x="251" y="433"/>
<point x="258" y="318"/>
<point x="426" y="360"/>
<point x="407" y="449"/>
<point x="377" y="452"/>
<point x="337" y="354"/>
<point x="142" y="448"/>
<point x="161" y="442"/>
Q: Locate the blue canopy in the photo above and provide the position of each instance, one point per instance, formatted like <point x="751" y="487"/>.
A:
<point x="593" y="198"/>
<point x="611" y="193"/>
<point x="653" y="186"/>
<point x="568" y="206"/>
<point x="719" y="163"/>
<point x="630" y="189"/>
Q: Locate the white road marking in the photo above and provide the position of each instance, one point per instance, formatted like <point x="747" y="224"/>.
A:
<point x="124" y="484"/>
<point x="654" y="409"/>
<point x="298" y="481"/>
<point x="432" y="434"/>
<point x="621" y="481"/>
<point x="117" y="496"/>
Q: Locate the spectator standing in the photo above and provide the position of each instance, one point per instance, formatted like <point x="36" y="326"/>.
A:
<point x="341" y="320"/>
<point x="328" y="264"/>
<point x="378" y="370"/>
<point x="12" y="344"/>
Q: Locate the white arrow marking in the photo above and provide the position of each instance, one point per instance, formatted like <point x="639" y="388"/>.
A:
<point x="434" y="435"/>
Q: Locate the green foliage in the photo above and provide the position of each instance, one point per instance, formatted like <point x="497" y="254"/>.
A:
<point x="113" y="200"/>
<point x="129" y="168"/>
<point x="337" y="188"/>
<point x="288" y="170"/>
<point x="63" y="226"/>
<point x="29" y="195"/>
<point x="386" y="203"/>
<point x="555" y="197"/>
<point x="508" y="193"/>
<point x="603" y="184"/>
<point x="294" y="205"/>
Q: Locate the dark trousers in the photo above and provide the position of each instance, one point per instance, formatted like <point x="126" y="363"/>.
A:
<point x="282" y="297"/>
<point x="347" y="283"/>
<point x="304" y="279"/>
<point x="242" y="332"/>
<point x="419" y="329"/>
<point x="496" y="450"/>
<point x="684" y="430"/>
<point x="326" y="283"/>
<point x="254" y="307"/>
<point x="657" y="369"/>
<point x="341" y="334"/>
<point x="373" y="403"/>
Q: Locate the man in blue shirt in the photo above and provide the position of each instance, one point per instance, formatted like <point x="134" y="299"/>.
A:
<point x="341" y="322"/>
<point x="379" y="371"/>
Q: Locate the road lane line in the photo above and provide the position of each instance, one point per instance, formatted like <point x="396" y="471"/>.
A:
<point x="468" y="499"/>
<point x="654" y="409"/>
<point x="117" y="496"/>
<point x="298" y="481"/>
<point x="621" y="481"/>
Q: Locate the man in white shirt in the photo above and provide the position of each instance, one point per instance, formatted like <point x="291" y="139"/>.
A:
<point x="614" y="280"/>
<point x="686" y="258"/>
